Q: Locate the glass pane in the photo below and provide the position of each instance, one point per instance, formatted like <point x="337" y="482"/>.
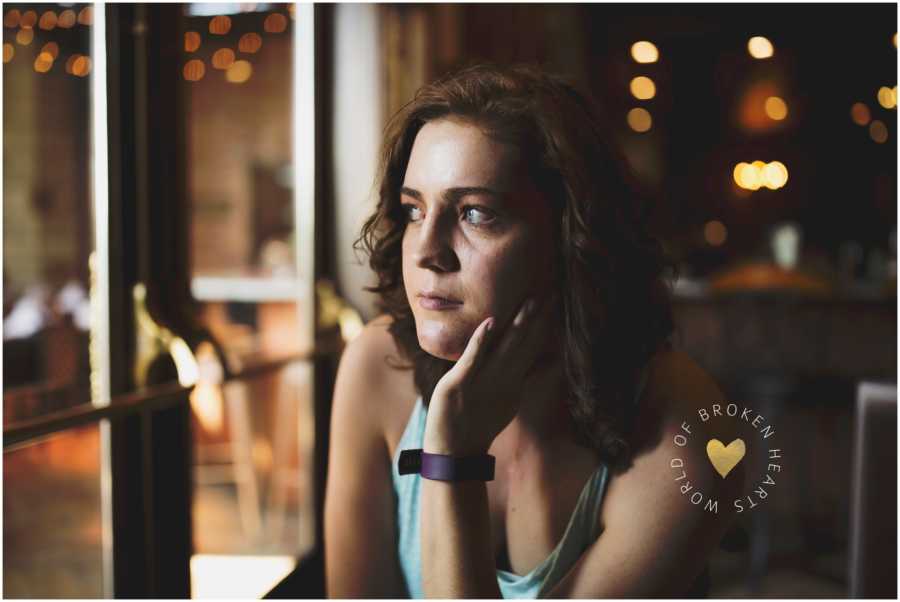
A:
<point x="253" y="478"/>
<point x="47" y="218"/>
<point x="53" y="549"/>
<point x="237" y="77"/>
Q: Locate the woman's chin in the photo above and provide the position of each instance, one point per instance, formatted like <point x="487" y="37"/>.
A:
<point x="441" y="340"/>
<point x="441" y="349"/>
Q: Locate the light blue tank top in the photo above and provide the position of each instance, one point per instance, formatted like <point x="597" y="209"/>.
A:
<point x="581" y="531"/>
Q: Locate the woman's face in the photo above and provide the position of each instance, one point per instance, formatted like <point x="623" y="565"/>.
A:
<point x="477" y="232"/>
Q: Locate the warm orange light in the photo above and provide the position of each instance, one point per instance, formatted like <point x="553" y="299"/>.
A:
<point x="71" y="61"/>
<point x="86" y="16"/>
<point x="643" y="88"/>
<point x="774" y="175"/>
<point x="29" y="18"/>
<point x="859" y="113"/>
<point x="81" y="66"/>
<point x="239" y="72"/>
<point x="52" y="48"/>
<point x="48" y="20"/>
<point x="639" y="119"/>
<point x="194" y="70"/>
<point x="715" y="233"/>
<point x="275" y="23"/>
<point x="250" y="43"/>
<point x="220" y="25"/>
<point x="776" y="108"/>
<point x="43" y="62"/>
<point x="760" y="47"/>
<point x="738" y="172"/>
<point x="11" y="19"/>
<point x="8" y="52"/>
<point x="24" y="36"/>
<point x="750" y="176"/>
<point x="66" y="19"/>
<point x="291" y="10"/>
<point x="887" y="98"/>
<point x="878" y="131"/>
<point x="191" y="41"/>
<point x="223" y="58"/>
<point x="895" y="39"/>
<point x="644" y="52"/>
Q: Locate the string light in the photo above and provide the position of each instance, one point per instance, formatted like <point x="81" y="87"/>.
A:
<point x="275" y="23"/>
<point x="776" y="108"/>
<point x="191" y="41"/>
<point x="194" y="70"/>
<point x="250" y="43"/>
<point x="639" y="119"/>
<point x="860" y="114"/>
<point x="239" y="72"/>
<point x="760" y="47"/>
<point x="220" y="25"/>
<point x="643" y="88"/>
<point x="644" y="52"/>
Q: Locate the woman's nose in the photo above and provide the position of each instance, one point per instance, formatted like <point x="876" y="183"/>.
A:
<point x="434" y="245"/>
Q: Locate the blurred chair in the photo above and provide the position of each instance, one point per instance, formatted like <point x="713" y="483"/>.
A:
<point x="873" y="515"/>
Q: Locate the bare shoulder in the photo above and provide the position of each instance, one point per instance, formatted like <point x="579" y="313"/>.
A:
<point x="377" y="367"/>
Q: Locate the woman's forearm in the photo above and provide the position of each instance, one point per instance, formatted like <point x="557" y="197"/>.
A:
<point x="457" y="551"/>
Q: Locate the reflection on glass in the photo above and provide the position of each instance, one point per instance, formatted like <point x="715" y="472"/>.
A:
<point x="47" y="222"/>
<point x="53" y="549"/>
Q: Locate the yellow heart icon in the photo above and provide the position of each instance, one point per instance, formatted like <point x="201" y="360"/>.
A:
<point x="725" y="458"/>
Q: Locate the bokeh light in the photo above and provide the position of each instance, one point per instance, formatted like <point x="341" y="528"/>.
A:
<point x="644" y="52"/>
<point x="81" y="66"/>
<point x="66" y="19"/>
<point x="643" y="88"/>
<point x="878" y="131"/>
<point x="86" y="16"/>
<point x="24" y="36"/>
<point x="715" y="233"/>
<point x="753" y="176"/>
<point x="639" y="119"/>
<point x="887" y="97"/>
<point x="250" y="43"/>
<point x="275" y="23"/>
<point x="194" y="70"/>
<point x="43" y="62"/>
<point x="11" y="18"/>
<point x="223" y="58"/>
<point x="29" y="18"/>
<point x="48" y="20"/>
<point x="52" y="48"/>
<point x="8" y="52"/>
<point x="860" y="114"/>
<point x="760" y="47"/>
<point x="191" y="41"/>
<point x="220" y="25"/>
<point x="239" y="72"/>
<point x="776" y="108"/>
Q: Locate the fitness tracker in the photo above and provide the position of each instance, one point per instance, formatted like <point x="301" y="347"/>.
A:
<point x="446" y="468"/>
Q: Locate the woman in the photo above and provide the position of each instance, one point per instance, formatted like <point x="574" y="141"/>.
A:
<point x="497" y="186"/>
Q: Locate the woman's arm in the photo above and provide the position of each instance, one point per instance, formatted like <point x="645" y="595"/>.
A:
<point x="457" y="549"/>
<point x="360" y="541"/>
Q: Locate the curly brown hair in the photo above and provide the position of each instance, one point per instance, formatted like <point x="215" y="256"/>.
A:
<point x="615" y="296"/>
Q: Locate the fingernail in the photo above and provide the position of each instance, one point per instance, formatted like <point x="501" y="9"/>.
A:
<point x="490" y="324"/>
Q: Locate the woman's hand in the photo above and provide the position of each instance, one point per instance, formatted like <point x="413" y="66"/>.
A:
<point x="480" y="395"/>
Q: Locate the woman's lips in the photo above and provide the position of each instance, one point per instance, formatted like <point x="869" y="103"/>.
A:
<point x="437" y="303"/>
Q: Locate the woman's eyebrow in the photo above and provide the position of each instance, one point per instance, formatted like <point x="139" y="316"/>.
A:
<point x="452" y="195"/>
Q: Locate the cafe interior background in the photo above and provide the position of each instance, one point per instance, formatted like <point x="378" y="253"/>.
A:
<point x="182" y="185"/>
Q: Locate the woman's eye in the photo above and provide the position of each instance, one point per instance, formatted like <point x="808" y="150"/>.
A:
<point x="480" y="221"/>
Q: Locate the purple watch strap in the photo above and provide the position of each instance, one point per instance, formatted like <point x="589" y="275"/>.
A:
<point x="447" y="468"/>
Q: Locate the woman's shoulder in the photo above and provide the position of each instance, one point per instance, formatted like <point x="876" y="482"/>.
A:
<point x="375" y="362"/>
